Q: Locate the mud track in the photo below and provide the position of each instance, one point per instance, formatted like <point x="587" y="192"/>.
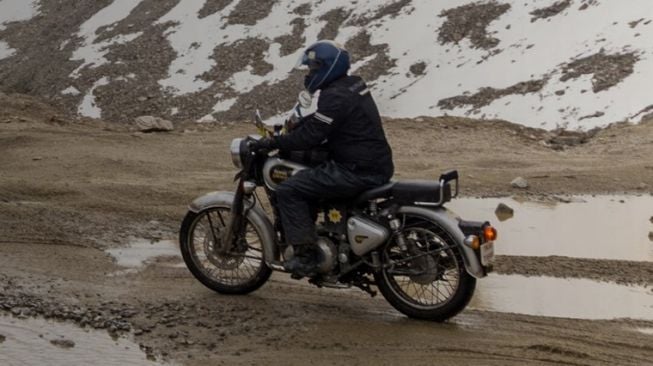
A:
<point x="69" y="189"/>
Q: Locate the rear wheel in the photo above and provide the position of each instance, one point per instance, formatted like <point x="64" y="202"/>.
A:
<point x="240" y="270"/>
<point x="429" y="281"/>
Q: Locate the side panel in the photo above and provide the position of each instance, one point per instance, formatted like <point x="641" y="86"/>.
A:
<point x="448" y="223"/>
<point x="256" y="216"/>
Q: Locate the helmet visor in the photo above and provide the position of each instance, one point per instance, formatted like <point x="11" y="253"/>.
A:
<point x="308" y="59"/>
<point x="301" y="62"/>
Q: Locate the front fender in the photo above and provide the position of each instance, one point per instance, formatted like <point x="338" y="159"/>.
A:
<point x="256" y="216"/>
<point x="450" y="225"/>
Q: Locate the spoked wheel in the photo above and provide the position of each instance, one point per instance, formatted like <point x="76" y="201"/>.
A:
<point x="239" y="270"/>
<point x="429" y="281"/>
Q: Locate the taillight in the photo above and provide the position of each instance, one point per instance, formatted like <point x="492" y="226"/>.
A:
<point x="489" y="233"/>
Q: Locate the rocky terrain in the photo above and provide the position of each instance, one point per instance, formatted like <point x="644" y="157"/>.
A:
<point x="71" y="189"/>
<point x="217" y="60"/>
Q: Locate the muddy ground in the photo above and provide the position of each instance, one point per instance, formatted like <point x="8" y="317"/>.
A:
<point x="71" y="188"/>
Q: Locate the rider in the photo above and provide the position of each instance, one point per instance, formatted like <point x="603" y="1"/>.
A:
<point x="348" y="124"/>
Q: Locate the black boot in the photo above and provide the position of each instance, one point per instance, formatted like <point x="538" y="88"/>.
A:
<point x="303" y="262"/>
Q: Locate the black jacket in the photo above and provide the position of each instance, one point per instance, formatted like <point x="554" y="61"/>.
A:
<point x="347" y="121"/>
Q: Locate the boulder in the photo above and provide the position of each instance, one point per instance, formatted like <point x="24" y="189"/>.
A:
<point x="504" y="212"/>
<point x="519" y="182"/>
<point x="153" y="124"/>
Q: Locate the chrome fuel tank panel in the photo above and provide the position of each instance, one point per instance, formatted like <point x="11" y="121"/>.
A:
<point x="276" y="170"/>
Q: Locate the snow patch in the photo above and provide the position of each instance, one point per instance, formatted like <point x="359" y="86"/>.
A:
<point x="5" y="50"/>
<point x="185" y="71"/>
<point x="71" y="90"/>
<point x="88" y="107"/>
<point x="16" y="11"/>
<point x="64" y="44"/>
<point x="207" y="119"/>
<point x="224" y="105"/>
<point x="91" y="52"/>
<point x="527" y="50"/>
<point x="457" y="69"/>
<point x="193" y="61"/>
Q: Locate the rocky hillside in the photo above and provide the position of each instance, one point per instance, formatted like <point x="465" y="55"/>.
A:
<point x="575" y="64"/>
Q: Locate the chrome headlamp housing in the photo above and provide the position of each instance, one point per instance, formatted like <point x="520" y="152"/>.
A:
<point x="238" y="149"/>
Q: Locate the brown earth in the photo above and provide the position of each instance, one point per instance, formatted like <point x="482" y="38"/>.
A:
<point x="70" y="188"/>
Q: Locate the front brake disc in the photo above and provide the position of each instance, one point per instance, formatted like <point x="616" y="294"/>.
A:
<point x="222" y="260"/>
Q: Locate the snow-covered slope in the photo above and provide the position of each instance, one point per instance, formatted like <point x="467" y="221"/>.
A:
<point x="576" y="64"/>
<point x="13" y="11"/>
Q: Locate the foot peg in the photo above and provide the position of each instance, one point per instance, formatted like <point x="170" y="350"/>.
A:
<point x="303" y="262"/>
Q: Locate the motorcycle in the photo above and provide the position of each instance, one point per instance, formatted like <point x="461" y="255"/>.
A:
<point x="398" y="238"/>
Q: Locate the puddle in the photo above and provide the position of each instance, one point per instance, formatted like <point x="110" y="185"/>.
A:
<point x="565" y="298"/>
<point x="601" y="227"/>
<point x="41" y="342"/>
<point x="140" y="252"/>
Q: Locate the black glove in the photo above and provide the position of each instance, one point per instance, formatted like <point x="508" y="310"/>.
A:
<point x="265" y="143"/>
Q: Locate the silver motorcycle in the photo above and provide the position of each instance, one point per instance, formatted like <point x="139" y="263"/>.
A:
<point x="398" y="238"/>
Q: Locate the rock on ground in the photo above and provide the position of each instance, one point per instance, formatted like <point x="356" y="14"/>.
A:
<point x="153" y="124"/>
<point x="519" y="182"/>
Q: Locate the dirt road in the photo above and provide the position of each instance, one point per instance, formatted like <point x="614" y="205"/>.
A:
<point x="71" y="189"/>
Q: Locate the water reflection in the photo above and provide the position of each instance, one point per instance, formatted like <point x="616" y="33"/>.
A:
<point x="602" y="227"/>
<point x="41" y="342"/>
<point x="141" y="251"/>
<point x="566" y="298"/>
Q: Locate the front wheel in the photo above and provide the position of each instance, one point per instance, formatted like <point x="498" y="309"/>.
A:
<point x="240" y="270"/>
<point x="429" y="281"/>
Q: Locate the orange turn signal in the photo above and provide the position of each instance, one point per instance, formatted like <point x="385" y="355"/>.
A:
<point x="489" y="233"/>
<point x="473" y="242"/>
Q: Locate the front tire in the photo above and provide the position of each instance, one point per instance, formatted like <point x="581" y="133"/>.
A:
<point x="433" y="286"/>
<point x="240" y="271"/>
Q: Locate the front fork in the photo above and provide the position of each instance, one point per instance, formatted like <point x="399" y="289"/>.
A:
<point x="235" y="227"/>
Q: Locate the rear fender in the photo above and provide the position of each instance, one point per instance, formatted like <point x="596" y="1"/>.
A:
<point x="256" y="216"/>
<point x="440" y="217"/>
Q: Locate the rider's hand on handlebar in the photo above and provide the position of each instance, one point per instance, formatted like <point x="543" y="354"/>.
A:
<point x="265" y="143"/>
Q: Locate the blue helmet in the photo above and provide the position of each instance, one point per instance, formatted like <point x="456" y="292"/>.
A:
<point x="327" y="61"/>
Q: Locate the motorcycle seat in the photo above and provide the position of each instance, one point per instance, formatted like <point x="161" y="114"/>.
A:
<point x="383" y="191"/>
<point x="408" y="192"/>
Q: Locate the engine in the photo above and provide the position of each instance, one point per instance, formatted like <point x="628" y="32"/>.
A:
<point x="327" y="254"/>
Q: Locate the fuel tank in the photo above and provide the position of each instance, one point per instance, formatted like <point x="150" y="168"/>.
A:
<point x="276" y="171"/>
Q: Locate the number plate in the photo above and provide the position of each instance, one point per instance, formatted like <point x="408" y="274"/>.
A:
<point x="487" y="253"/>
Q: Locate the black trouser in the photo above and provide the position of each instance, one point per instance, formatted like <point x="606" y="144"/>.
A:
<point x="297" y="195"/>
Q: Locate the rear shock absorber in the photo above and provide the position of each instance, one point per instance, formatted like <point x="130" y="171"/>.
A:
<point x="395" y="225"/>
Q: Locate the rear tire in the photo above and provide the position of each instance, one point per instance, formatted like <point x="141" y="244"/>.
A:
<point x="441" y="274"/>
<point x="241" y="271"/>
